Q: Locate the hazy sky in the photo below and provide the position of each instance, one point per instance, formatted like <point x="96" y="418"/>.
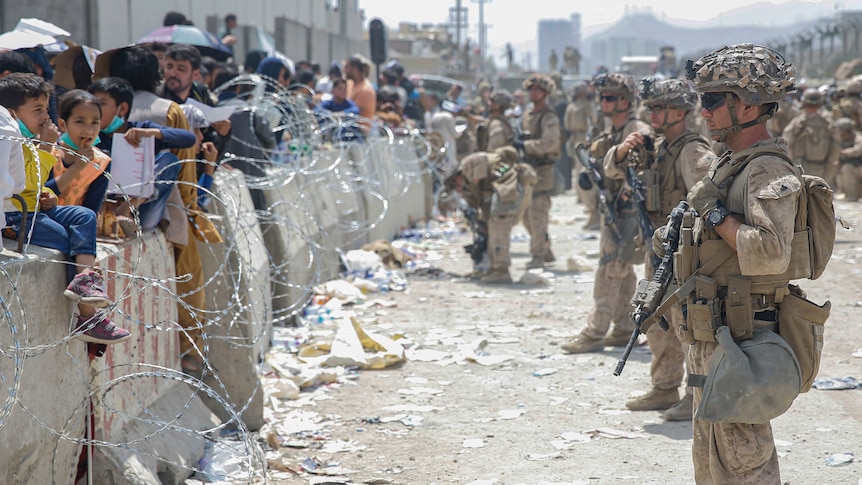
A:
<point x="515" y="20"/>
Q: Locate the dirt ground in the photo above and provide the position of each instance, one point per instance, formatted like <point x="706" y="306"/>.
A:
<point x="537" y="416"/>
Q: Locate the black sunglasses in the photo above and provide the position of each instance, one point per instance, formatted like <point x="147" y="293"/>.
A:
<point x="610" y="99"/>
<point x="712" y="101"/>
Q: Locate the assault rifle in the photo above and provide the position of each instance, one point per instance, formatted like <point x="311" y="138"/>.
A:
<point x="650" y="294"/>
<point x="639" y="195"/>
<point x="597" y="180"/>
<point x="477" y="249"/>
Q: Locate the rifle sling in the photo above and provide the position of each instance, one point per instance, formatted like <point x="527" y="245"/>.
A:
<point x="688" y="286"/>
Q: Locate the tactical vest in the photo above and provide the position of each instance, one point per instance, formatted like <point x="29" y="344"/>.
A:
<point x="483" y="132"/>
<point x="663" y="182"/>
<point x="812" y="140"/>
<point x="535" y="133"/>
<point x="703" y="251"/>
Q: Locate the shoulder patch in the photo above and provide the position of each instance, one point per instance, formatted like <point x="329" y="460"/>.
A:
<point x="781" y="187"/>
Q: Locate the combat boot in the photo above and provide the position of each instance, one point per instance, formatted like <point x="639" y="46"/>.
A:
<point x="497" y="276"/>
<point x="582" y="344"/>
<point x="681" y="411"/>
<point x="536" y="262"/>
<point x="655" y="399"/>
<point x="549" y="257"/>
<point x="618" y="337"/>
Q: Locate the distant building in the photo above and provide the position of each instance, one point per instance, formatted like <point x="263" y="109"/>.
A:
<point x="554" y="36"/>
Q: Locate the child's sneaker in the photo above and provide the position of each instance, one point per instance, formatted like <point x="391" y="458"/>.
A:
<point x="103" y="332"/>
<point x="88" y="288"/>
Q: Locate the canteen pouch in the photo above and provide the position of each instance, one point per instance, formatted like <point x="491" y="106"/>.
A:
<point x="801" y="324"/>
<point x="704" y="310"/>
<point x="652" y="190"/>
<point x="740" y="311"/>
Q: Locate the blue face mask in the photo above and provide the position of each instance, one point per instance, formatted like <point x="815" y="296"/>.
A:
<point x="69" y="143"/>
<point x="24" y="130"/>
<point x="115" y="125"/>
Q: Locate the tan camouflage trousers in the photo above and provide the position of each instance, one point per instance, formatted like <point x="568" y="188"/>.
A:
<point x="724" y="454"/>
<point x="499" y="236"/>
<point x="536" y="223"/>
<point x="850" y="181"/>
<point x="613" y="288"/>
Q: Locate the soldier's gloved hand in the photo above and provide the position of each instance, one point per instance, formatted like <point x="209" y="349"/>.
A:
<point x="518" y="144"/>
<point x="705" y="196"/>
<point x="658" y="240"/>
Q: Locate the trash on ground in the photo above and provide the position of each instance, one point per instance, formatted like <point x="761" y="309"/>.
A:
<point x="481" y="295"/>
<point x="341" y="446"/>
<point x="507" y="414"/>
<point x="426" y="355"/>
<point x="858" y="353"/>
<point x="473" y="443"/>
<point x="836" y="383"/>
<point x="413" y="391"/>
<point x="412" y="408"/>
<point x="839" y="459"/>
<point x="577" y="264"/>
<point x="354" y="347"/>
<point x="615" y="433"/>
<point x="548" y="456"/>
<point x="531" y="278"/>
<point x="544" y="372"/>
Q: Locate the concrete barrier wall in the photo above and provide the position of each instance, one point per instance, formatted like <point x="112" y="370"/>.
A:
<point x="147" y="411"/>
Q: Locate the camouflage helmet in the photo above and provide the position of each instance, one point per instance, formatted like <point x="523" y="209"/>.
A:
<point x="854" y="87"/>
<point x="812" y="96"/>
<point x="503" y="98"/>
<point x="843" y="124"/>
<point x="675" y="93"/>
<point x="544" y="83"/>
<point x="617" y="84"/>
<point x="758" y="75"/>
<point x="581" y="88"/>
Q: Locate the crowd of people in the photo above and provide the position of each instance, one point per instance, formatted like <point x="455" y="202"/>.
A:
<point x="734" y="152"/>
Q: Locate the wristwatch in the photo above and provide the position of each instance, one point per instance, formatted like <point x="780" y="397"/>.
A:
<point x="715" y="217"/>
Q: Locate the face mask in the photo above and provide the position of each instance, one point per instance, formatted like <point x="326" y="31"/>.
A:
<point x="115" y="125"/>
<point x="69" y="143"/>
<point x="24" y="130"/>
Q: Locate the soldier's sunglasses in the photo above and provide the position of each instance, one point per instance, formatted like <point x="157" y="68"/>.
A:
<point x="656" y="109"/>
<point x="712" y="101"/>
<point x="610" y="99"/>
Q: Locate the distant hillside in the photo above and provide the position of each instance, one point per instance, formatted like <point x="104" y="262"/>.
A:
<point x="765" y="14"/>
<point x="642" y="33"/>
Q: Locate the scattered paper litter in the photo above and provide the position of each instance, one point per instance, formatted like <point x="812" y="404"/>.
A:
<point x="413" y="391"/>
<point x="615" y="433"/>
<point x="507" y="414"/>
<point x="548" y="456"/>
<point x="426" y="355"/>
<point x="412" y="408"/>
<point x="481" y="295"/>
<point x="416" y="380"/>
<point x="783" y="443"/>
<point x="473" y="443"/>
<point x="573" y="437"/>
<point x="544" y="372"/>
<point x="341" y="446"/>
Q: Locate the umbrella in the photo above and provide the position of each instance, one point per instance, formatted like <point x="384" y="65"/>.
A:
<point x="207" y="43"/>
<point x="29" y="33"/>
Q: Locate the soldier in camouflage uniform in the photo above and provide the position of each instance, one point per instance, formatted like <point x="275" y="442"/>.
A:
<point x="748" y="205"/>
<point x="810" y="139"/>
<point x="500" y="188"/>
<point x="787" y="110"/>
<point x="615" y="280"/>
<point x="479" y="103"/>
<point x="578" y="122"/>
<point x="682" y="158"/>
<point x="541" y="149"/>
<point x="850" y="171"/>
<point x="849" y="105"/>
<point x="495" y="131"/>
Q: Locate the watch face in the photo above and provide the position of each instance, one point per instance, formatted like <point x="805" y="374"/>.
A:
<point x="714" y="218"/>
